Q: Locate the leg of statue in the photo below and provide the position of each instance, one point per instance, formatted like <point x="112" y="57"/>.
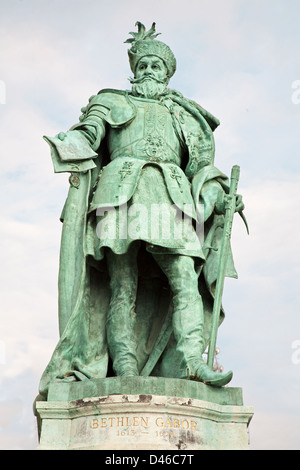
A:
<point x="120" y="323"/>
<point x="188" y="317"/>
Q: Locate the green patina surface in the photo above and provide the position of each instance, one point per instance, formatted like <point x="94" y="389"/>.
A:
<point x="145" y="386"/>
<point x="142" y="237"/>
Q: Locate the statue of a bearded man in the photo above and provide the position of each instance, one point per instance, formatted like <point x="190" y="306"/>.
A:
<point x="142" y="227"/>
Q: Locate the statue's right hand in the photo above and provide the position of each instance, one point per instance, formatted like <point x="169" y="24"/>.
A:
<point x="61" y="135"/>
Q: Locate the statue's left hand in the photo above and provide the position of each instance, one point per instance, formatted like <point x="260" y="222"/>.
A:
<point x="239" y="204"/>
<point x="221" y="206"/>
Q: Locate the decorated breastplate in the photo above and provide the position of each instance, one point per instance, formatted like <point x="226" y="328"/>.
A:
<point x="150" y="135"/>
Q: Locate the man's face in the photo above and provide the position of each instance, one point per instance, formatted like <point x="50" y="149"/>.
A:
<point x="151" y="77"/>
<point x="151" y="67"/>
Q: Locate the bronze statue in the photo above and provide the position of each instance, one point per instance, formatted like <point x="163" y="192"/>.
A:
<point x="142" y="230"/>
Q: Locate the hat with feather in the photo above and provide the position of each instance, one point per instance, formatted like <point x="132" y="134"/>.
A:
<point x="143" y="43"/>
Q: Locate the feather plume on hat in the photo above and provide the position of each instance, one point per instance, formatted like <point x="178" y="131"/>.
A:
<point x="143" y="43"/>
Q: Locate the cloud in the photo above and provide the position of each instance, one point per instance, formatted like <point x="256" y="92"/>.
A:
<point x="236" y="59"/>
<point x="262" y="321"/>
<point x="269" y="432"/>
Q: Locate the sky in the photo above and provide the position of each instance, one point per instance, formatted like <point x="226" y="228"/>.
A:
<point x="239" y="59"/>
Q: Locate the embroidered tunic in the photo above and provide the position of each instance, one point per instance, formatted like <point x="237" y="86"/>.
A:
<point x="143" y="194"/>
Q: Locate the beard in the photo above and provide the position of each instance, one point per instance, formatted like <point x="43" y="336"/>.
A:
<point x="148" y="87"/>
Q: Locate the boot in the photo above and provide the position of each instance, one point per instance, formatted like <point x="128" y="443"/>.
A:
<point x="121" y="342"/>
<point x="121" y="317"/>
<point x="188" y="332"/>
<point x="203" y="373"/>
<point x="121" y="339"/>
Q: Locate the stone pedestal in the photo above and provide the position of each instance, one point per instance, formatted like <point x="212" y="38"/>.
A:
<point x="142" y="413"/>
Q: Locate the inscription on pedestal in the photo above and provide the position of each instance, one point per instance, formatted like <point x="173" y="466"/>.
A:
<point x="154" y="427"/>
<point x="134" y="421"/>
<point x="143" y="422"/>
<point x="159" y="426"/>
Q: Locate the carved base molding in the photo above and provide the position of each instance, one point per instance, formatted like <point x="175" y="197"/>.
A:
<point x="144" y="421"/>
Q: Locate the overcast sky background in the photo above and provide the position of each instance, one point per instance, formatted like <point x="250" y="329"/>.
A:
<point x="240" y="60"/>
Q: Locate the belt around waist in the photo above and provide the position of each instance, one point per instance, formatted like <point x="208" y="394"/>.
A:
<point x="150" y="159"/>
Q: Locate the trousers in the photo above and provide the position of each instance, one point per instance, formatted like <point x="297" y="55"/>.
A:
<point x="187" y="320"/>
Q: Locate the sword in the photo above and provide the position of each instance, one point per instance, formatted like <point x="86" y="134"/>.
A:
<point x="229" y="213"/>
<point x="160" y="344"/>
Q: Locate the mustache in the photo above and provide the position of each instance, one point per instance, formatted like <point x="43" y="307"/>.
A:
<point x="143" y="79"/>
